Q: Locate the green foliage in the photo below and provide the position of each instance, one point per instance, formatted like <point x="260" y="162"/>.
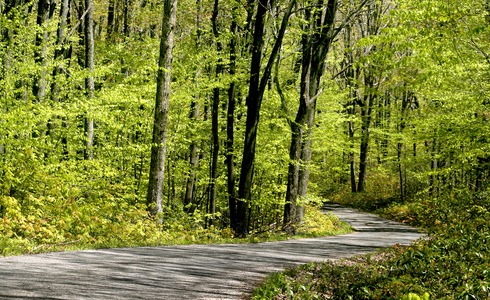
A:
<point x="43" y="211"/>
<point x="381" y="190"/>
<point x="316" y="223"/>
<point x="452" y="263"/>
<point x="413" y="296"/>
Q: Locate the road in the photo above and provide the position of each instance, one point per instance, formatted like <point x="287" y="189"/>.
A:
<point x="227" y="271"/>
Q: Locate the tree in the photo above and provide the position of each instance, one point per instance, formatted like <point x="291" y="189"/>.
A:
<point x="60" y="51"/>
<point x="89" y="80"/>
<point x="44" y="13"/>
<point x="157" y="165"/>
<point x="254" y="100"/>
<point x="230" y="126"/>
<point x="190" y="189"/>
<point x="316" y="40"/>
<point x="214" y="116"/>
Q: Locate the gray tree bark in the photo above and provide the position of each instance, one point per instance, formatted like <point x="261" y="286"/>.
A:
<point x="43" y="15"/>
<point x="230" y="120"/>
<point x="60" y="52"/>
<point x="157" y="165"/>
<point x="190" y="192"/>
<point x="89" y="81"/>
<point x="316" y="43"/>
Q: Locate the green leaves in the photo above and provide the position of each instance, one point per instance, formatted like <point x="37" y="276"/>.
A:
<point x="413" y="296"/>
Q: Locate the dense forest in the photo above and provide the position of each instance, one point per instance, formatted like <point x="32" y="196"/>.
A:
<point x="127" y="120"/>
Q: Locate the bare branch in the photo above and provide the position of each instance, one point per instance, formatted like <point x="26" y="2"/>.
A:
<point x="284" y="104"/>
<point x="76" y="26"/>
<point x="51" y="245"/>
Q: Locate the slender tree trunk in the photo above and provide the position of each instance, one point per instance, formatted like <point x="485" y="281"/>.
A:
<point x="230" y="119"/>
<point x="387" y="118"/>
<point x="352" y="161"/>
<point x="254" y="100"/>
<point x="61" y="50"/>
<point x="301" y="146"/>
<point x="39" y="88"/>
<point x="304" y="171"/>
<point x="400" y="145"/>
<point x="126" y="18"/>
<point x="351" y="84"/>
<point x="214" y="156"/>
<point x="193" y="160"/>
<point x="194" y="114"/>
<point x="89" y="81"/>
<point x="214" y="117"/>
<point x="315" y="45"/>
<point x="157" y="165"/>
<point x="365" y="128"/>
<point x="110" y="19"/>
<point x="293" y="175"/>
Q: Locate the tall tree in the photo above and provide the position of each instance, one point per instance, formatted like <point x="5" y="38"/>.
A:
<point x="157" y="165"/>
<point x="110" y="19"/>
<point x="256" y="91"/>
<point x="230" y="120"/>
<point x="371" y="76"/>
<point x="45" y="10"/>
<point x="89" y="80"/>
<point x="214" y="115"/>
<point x="316" y="41"/>
<point x="190" y="189"/>
<point x="60" y="51"/>
<point x="319" y="33"/>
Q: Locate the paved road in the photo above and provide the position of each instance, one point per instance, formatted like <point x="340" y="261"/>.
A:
<point x="186" y="272"/>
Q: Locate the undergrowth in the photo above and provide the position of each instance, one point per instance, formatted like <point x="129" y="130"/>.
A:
<point x="59" y="208"/>
<point x="30" y="234"/>
<point x="453" y="262"/>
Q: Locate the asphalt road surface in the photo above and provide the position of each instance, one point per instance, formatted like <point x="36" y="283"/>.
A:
<point x="187" y="272"/>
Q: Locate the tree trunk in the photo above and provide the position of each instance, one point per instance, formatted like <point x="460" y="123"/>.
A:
<point x="43" y="15"/>
<point x="214" y="116"/>
<point x="304" y="171"/>
<point x="230" y="119"/>
<point x="214" y="156"/>
<point x="189" y="204"/>
<point x="316" y="43"/>
<point x="157" y="165"/>
<point x="387" y="118"/>
<point x="126" y="18"/>
<point x="254" y="100"/>
<point x="351" y="85"/>
<point x="400" y="145"/>
<point x="89" y="81"/>
<point x="61" y="50"/>
<point x="193" y="161"/>
<point x="110" y="19"/>
<point x="366" y="108"/>
<point x="352" y="161"/>
<point x="293" y="175"/>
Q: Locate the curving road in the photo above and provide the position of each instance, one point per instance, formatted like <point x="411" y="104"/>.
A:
<point x="187" y="272"/>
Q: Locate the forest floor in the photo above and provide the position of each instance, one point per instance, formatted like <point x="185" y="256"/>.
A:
<point x="227" y="271"/>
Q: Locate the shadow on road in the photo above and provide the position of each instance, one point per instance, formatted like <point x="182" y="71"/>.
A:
<point x="187" y="272"/>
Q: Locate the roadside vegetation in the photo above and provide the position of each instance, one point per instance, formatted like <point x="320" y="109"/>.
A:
<point x="453" y="262"/>
<point x="64" y="217"/>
